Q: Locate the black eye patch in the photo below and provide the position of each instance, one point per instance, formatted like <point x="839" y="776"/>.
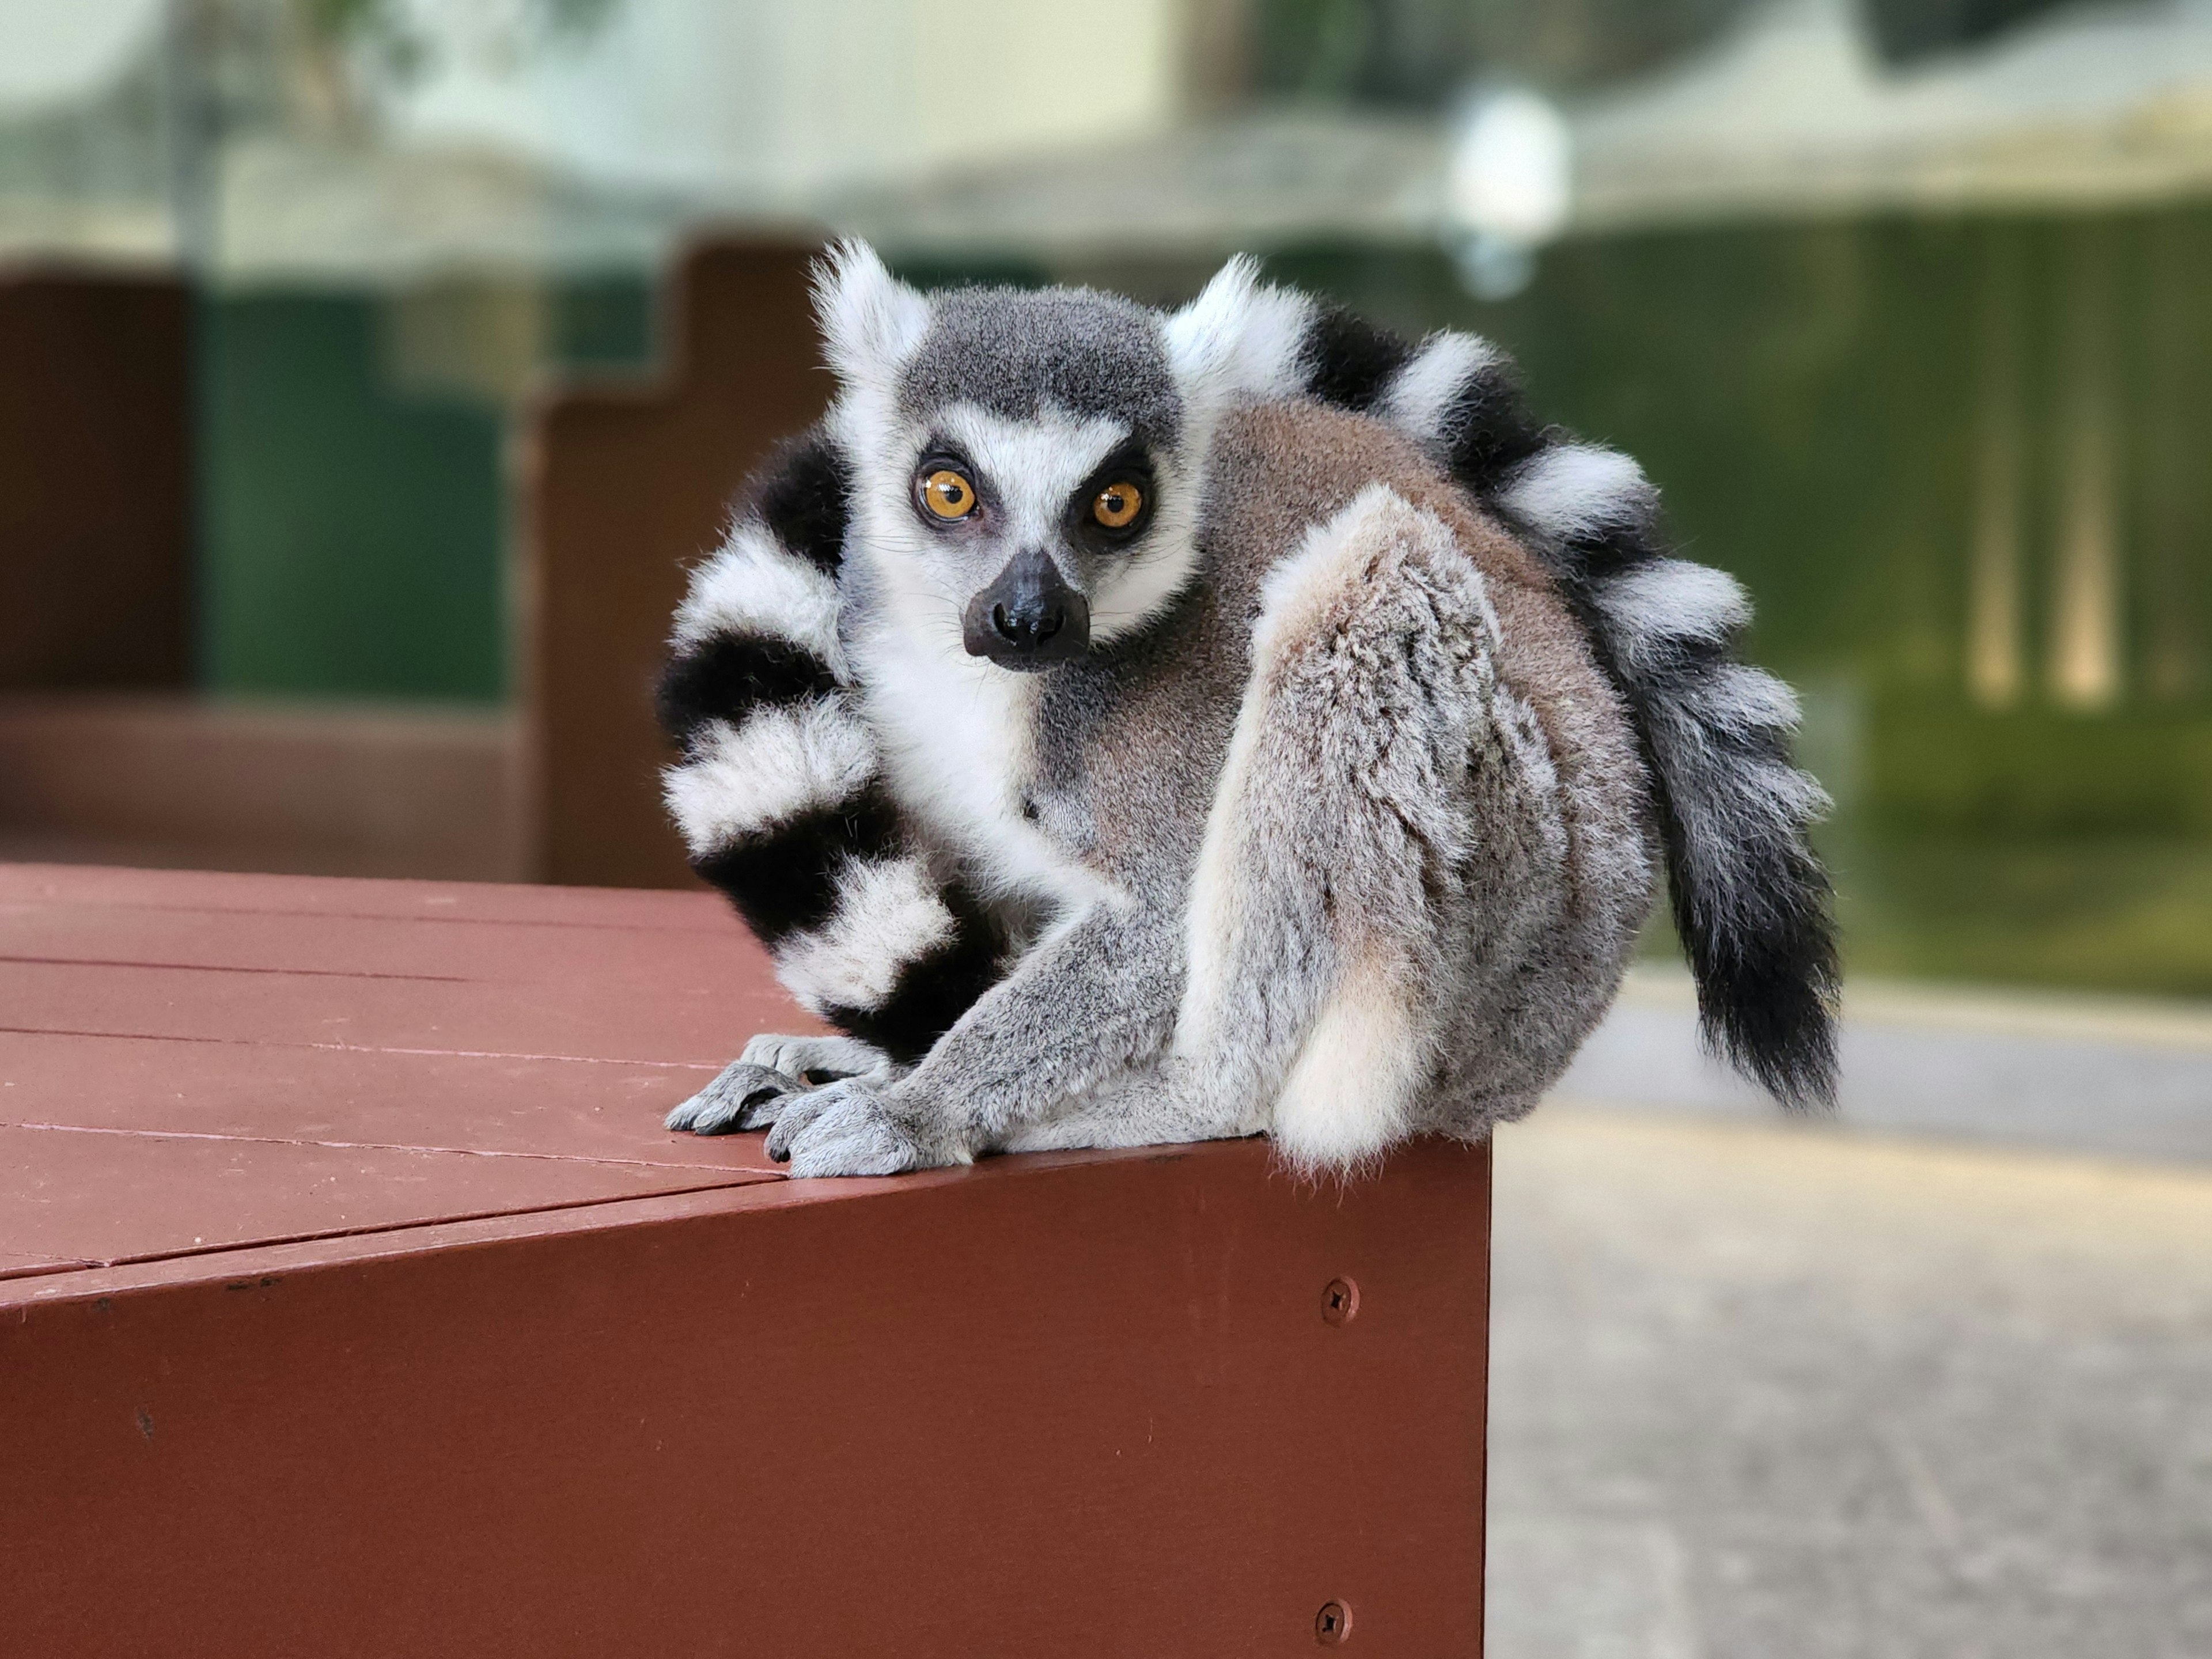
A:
<point x="1110" y="524"/>
<point x="940" y="461"/>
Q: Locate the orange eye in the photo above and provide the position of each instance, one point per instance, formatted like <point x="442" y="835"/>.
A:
<point x="1117" y="505"/>
<point x="948" y="495"/>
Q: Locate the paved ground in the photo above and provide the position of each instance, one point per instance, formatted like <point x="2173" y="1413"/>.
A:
<point x="1766" y="1392"/>
<point x="2126" y="1076"/>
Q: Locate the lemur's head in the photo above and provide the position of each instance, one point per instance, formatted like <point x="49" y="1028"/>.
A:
<point x="1027" y="465"/>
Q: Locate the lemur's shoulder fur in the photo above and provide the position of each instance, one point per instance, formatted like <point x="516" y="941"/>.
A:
<point x="1361" y="722"/>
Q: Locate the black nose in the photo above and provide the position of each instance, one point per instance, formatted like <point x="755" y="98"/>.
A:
<point x="1030" y="617"/>
<point x="1026" y="628"/>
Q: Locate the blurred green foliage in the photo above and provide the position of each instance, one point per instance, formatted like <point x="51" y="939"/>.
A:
<point x="351" y="539"/>
<point x="1809" y="398"/>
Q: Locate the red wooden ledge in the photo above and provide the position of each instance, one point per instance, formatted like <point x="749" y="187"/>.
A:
<point x="353" y="1301"/>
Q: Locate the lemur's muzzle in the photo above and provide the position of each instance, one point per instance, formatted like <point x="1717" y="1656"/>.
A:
<point x="1030" y="617"/>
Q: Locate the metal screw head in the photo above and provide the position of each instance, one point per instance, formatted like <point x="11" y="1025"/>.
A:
<point x="1339" y="1301"/>
<point x="1332" y="1623"/>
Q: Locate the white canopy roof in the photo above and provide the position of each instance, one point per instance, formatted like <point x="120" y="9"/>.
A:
<point x="1793" y="113"/>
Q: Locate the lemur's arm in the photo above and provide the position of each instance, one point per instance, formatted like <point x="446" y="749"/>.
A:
<point x="1094" y="997"/>
<point x="779" y="791"/>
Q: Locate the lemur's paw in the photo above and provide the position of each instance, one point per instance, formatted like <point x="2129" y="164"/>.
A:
<point x="745" y="1095"/>
<point x="818" y="1060"/>
<point x="850" y="1129"/>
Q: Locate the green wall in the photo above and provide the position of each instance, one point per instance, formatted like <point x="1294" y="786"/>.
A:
<point x="353" y="517"/>
<point x="351" y="541"/>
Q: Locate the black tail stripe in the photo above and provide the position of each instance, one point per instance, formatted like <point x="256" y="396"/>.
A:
<point x="802" y="494"/>
<point x="1612" y="551"/>
<point x="1492" y="431"/>
<point x="728" y="676"/>
<point x="934" y="989"/>
<point x="784" y="880"/>
<point x="1350" y="363"/>
<point x="1349" y="360"/>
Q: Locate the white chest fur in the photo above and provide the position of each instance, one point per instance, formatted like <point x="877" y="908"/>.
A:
<point x="959" y="736"/>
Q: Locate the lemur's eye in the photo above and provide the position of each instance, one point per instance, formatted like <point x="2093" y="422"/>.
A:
<point x="948" y="495"/>
<point x="1117" y="505"/>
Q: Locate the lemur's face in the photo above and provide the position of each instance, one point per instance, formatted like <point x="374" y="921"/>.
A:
<point x="1034" y="520"/>
<point x="1026" y="464"/>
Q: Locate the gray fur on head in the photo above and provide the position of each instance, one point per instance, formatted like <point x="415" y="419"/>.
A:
<point x="1033" y="393"/>
<point x="1020" y="353"/>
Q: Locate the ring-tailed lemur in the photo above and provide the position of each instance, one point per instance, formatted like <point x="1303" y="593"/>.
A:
<point x="1135" y="727"/>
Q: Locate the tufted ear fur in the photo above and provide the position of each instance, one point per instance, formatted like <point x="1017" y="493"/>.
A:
<point x="871" y="322"/>
<point x="1240" y="339"/>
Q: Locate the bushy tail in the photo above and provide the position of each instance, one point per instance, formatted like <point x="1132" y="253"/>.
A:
<point x="1751" y="901"/>
<point x="779" y="789"/>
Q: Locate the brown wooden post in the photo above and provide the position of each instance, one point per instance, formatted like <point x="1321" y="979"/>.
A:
<point x="624" y="485"/>
<point x="95" y="481"/>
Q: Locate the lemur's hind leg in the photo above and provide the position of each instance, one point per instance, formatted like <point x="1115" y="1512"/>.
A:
<point x="1329" y="900"/>
<point x="1156" y="1103"/>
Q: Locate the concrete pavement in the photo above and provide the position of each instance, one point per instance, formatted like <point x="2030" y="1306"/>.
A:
<point x="1761" y="1393"/>
<point x="1767" y="1391"/>
<point x="2132" y="1076"/>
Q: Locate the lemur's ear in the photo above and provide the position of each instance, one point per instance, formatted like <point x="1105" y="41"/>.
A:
<point x="1240" y="337"/>
<point x="871" y="322"/>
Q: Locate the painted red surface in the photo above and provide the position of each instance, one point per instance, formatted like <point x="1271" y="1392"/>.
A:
<point x="353" y="1302"/>
<point x="193" y="1062"/>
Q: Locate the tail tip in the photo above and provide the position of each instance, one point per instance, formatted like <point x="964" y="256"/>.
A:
<point x="1780" y="1032"/>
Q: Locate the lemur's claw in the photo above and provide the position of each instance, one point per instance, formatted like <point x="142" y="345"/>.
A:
<point x="850" y="1128"/>
<point x="744" y="1096"/>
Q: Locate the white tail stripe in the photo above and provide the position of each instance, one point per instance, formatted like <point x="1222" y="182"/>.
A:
<point x="1650" y="606"/>
<point x="1735" y="698"/>
<point x="1423" y="399"/>
<point x="755" y="585"/>
<point x="1574" y="490"/>
<point x="783" y="761"/>
<point x="888" y="915"/>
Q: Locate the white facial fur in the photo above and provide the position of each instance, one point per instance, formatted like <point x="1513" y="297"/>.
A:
<point x="1028" y="469"/>
<point x="1239" y="339"/>
<point x="959" y="731"/>
<point x="872" y="323"/>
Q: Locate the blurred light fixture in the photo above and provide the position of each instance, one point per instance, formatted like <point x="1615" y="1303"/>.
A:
<point x="1510" y="190"/>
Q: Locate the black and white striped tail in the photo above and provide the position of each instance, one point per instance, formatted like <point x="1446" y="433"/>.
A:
<point x="1750" y="901"/>
<point x="780" y="794"/>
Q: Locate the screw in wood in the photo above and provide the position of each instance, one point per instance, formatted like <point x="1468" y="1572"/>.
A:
<point x="1339" y="1301"/>
<point x="1332" y="1623"/>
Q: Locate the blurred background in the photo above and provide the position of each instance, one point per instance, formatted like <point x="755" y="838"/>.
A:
<point x="368" y="367"/>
